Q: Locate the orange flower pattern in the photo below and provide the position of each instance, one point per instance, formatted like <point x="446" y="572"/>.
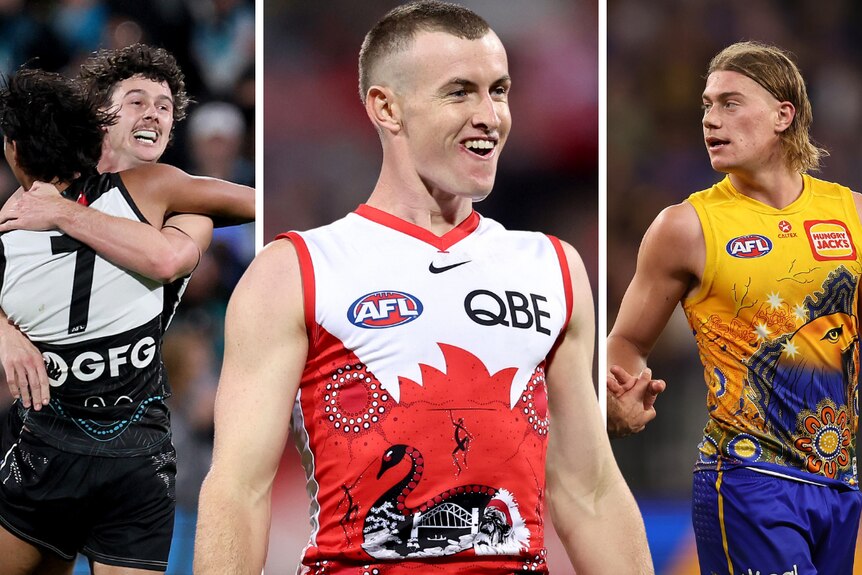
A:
<point x="826" y="440"/>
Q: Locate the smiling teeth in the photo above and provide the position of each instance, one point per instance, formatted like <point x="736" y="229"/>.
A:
<point x="479" y="145"/>
<point x="145" y="135"/>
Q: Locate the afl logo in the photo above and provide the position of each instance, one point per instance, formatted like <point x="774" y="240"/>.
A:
<point x="382" y="309"/>
<point x="751" y="246"/>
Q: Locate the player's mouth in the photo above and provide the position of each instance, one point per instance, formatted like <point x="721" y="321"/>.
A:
<point x="483" y="147"/>
<point x="713" y="143"/>
<point x="145" y="136"/>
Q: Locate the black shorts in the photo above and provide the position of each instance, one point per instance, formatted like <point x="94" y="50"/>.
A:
<point x="115" y="510"/>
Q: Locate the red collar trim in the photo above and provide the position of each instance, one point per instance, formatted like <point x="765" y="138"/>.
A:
<point x="442" y="243"/>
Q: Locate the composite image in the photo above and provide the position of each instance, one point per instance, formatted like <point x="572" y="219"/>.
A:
<point x="404" y="287"/>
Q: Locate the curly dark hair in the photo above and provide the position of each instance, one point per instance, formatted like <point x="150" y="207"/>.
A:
<point x="56" y="126"/>
<point x="106" y="68"/>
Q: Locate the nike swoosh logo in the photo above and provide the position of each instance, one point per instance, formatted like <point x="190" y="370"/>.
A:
<point x="435" y="270"/>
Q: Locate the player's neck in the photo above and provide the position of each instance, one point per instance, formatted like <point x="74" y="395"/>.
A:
<point x="777" y="188"/>
<point x="110" y="162"/>
<point x="27" y="183"/>
<point x="436" y="212"/>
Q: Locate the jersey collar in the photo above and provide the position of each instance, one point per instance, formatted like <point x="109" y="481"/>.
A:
<point x="442" y="243"/>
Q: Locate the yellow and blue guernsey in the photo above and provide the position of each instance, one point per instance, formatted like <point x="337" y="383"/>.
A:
<point x="777" y="329"/>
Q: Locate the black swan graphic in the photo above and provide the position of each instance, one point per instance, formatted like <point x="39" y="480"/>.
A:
<point x="456" y="519"/>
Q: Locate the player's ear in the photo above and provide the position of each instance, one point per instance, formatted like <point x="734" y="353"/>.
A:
<point x="786" y="113"/>
<point x="12" y="148"/>
<point x="383" y="109"/>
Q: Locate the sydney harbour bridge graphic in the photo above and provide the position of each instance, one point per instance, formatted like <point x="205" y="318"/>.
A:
<point x="459" y="518"/>
<point x="448" y="521"/>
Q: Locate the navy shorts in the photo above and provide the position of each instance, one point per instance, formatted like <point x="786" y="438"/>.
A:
<point x="115" y="510"/>
<point x="749" y="522"/>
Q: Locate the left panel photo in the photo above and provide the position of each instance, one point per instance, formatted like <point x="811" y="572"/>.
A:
<point x="128" y="210"/>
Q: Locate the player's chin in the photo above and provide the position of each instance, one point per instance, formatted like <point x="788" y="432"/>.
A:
<point x="718" y="164"/>
<point x="149" y="153"/>
<point x="480" y="190"/>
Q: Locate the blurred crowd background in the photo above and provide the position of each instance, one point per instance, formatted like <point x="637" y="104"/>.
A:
<point x="658" y="53"/>
<point x="214" y="43"/>
<point x="322" y="156"/>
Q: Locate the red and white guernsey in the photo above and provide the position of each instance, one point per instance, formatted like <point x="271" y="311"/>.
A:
<point x="422" y="413"/>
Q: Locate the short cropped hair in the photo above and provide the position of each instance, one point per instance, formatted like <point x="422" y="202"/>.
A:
<point x="56" y="125"/>
<point x="107" y="68"/>
<point x="775" y="71"/>
<point x="396" y="30"/>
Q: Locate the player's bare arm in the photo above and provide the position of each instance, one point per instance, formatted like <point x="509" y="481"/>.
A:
<point x="265" y="352"/>
<point x="23" y="366"/>
<point x="160" y="189"/>
<point x="161" y="255"/>
<point x="589" y="500"/>
<point x="670" y="264"/>
<point x="189" y="235"/>
<point x="4" y="211"/>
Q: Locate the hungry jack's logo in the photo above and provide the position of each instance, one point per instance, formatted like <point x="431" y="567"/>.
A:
<point x="830" y="240"/>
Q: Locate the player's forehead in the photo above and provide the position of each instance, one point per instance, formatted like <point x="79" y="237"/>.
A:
<point x="435" y="57"/>
<point x="722" y="83"/>
<point x="139" y="85"/>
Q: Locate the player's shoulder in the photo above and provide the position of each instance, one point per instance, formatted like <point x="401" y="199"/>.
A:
<point x="825" y="191"/>
<point x="348" y="225"/>
<point x="678" y="223"/>
<point x="490" y="230"/>
<point x="151" y="171"/>
<point x="279" y="253"/>
<point x="151" y="168"/>
<point x="857" y="201"/>
<point x="819" y="185"/>
<point x="150" y="175"/>
<point x="274" y="270"/>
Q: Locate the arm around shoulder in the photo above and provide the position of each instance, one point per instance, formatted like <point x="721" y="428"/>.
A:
<point x="590" y="503"/>
<point x="161" y="255"/>
<point x="163" y="189"/>
<point x="265" y="353"/>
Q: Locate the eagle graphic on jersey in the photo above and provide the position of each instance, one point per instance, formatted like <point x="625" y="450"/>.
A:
<point x="799" y="381"/>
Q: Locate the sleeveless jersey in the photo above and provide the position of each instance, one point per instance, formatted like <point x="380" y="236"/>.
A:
<point x="422" y="411"/>
<point x="99" y="328"/>
<point x="776" y="327"/>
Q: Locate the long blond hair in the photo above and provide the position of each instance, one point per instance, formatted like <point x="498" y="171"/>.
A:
<point x="775" y="71"/>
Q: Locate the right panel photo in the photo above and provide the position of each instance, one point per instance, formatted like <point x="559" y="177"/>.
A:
<point x="733" y="252"/>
